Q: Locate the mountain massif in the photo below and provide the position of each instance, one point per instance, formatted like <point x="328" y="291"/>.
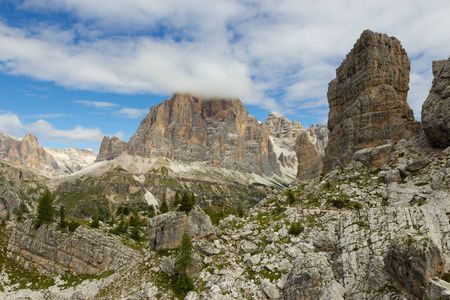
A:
<point x="366" y="218"/>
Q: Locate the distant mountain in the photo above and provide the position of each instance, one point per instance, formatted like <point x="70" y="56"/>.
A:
<point x="27" y="152"/>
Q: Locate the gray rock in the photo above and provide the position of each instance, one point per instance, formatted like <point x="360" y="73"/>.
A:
<point x="309" y="278"/>
<point x="206" y="248"/>
<point x="374" y="157"/>
<point x="166" y="230"/>
<point x="247" y="247"/>
<point x="309" y="162"/>
<point x="269" y="289"/>
<point x="412" y="260"/>
<point x="168" y="266"/>
<point x="111" y="148"/>
<point x="83" y="251"/>
<point x="438" y="289"/>
<point x="436" y="108"/>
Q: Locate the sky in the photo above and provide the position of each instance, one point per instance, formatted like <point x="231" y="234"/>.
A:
<point x="73" y="71"/>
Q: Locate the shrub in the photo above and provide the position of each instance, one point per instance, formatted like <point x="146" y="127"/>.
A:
<point x="420" y="202"/>
<point x="95" y="223"/>
<point x="183" y="284"/>
<point x="240" y="210"/>
<point x="356" y="205"/>
<point x="290" y="197"/>
<point x="151" y="211"/>
<point x="135" y="235"/>
<point x="72" y="226"/>
<point x="296" y="228"/>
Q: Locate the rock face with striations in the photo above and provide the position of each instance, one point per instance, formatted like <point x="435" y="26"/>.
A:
<point x="309" y="161"/>
<point x="83" y="251"/>
<point x="166" y="230"/>
<point x="111" y="148"/>
<point x="368" y="99"/>
<point x="216" y="131"/>
<point x="436" y="108"/>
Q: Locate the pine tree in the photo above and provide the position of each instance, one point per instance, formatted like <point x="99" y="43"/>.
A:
<point x="193" y="200"/>
<point x="186" y="202"/>
<point x="177" y="199"/>
<point x="45" y="209"/>
<point x="164" y="207"/>
<point x="184" y="258"/>
<point x="151" y="211"/>
<point x="62" y="217"/>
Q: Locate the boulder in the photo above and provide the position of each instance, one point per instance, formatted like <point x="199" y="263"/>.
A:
<point x="436" y="108"/>
<point x="412" y="261"/>
<point x="438" y="289"/>
<point x="166" y="230"/>
<point x="310" y="277"/>
<point x="367" y="99"/>
<point x="374" y="157"/>
<point x="269" y="289"/>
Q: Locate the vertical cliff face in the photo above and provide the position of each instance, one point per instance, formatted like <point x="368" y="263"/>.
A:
<point x="216" y="131"/>
<point x="436" y="108"/>
<point x="368" y="98"/>
<point x="111" y="148"/>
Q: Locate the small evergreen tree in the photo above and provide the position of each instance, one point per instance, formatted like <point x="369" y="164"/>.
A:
<point x="111" y="222"/>
<point x="240" y="210"/>
<point x="193" y="200"/>
<point x="164" y="207"/>
<point x="184" y="258"/>
<point x="45" y="209"/>
<point x="62" y="217"/>
<point x="119" y="210"/>
<point x="186" y="202"/>
<point x="151" y="211"/>
<point x="177" y="199"/>
<point x="134" y="220"/>
<point x="135" y="235"/>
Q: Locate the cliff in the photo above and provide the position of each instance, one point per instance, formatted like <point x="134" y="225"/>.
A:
<point x="218" y="132"/>
<point x="367" y="99"/>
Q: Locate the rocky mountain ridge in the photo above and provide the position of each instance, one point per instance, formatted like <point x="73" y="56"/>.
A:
<point x="27" y="152"/>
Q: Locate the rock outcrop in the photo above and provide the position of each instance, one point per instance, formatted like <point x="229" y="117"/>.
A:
<point x="166" y="230"/>
<point x="83" y="251"/>
<point x="218" y="132"/>
<point x="412" y="261"/>
<point x="368" y="99"/>
<point x="436" y="108"/>
<point x="309" y="161"/>
<point x="111" y="148"/>
<point x="29" y="153"/>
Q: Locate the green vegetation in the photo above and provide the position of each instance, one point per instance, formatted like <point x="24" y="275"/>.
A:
<point x="290" y="196"/>
<point x="187" y="202"/>
<point x="164" y="207"/>
<point x="62" y="217"/>
<point x="151" y="211"/>
<point x="95" y="222"/>
<point x="72" y="226"/>
<point x="218" y="212"/>
<point x="45" y="209"/>
<point x="183" y="262"/>
<point x="296" y="228"/>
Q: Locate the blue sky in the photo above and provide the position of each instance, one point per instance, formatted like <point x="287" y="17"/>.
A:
<point x="73" y="71"/>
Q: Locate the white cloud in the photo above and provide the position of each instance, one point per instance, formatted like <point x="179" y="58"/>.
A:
<point x="45" y="131"/>
<point x="47" y="116"/>
<point x="97" y="104"/>
<point x="132" y="113"/>
<point x="276" y="54"/>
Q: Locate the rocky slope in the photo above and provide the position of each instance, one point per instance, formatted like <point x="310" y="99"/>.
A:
<point x="368" y="99"/>
<point x="111" y="148"/>
<point x="436" y="108"/>
<point x="19" y="189"/>
<point x="29" y="153"/>
<point x="218" y="132"/>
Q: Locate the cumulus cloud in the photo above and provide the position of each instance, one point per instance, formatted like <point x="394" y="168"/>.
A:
<point x="11" y="124"/>
<point x="279" y="55"/>
<point x="131" y="113"/>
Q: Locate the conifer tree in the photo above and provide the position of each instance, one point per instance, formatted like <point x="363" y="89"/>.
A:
<point x="164" y="207"/>
<point x="184" y="258"/>
<point x="186" y="202"/>
<point x="45" y="209"/>
<point x="177" y="199"/>
<point x="151" y="211"/>
<point x="62" y="217"/>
